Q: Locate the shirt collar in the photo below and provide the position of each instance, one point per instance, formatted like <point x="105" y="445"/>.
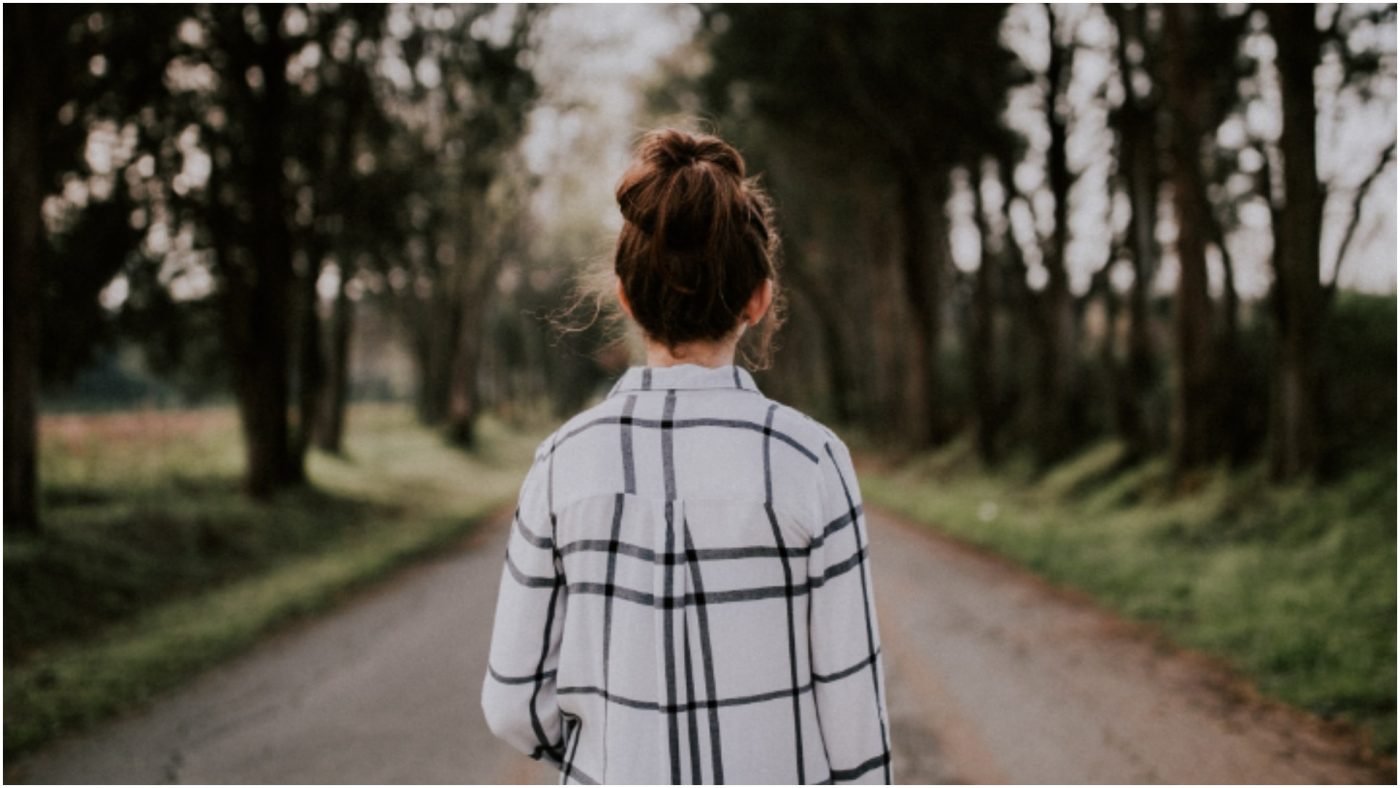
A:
<point x="685" y="376"/>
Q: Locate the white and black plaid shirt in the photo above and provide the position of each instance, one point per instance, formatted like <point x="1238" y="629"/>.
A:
<point x="687" y="595"/>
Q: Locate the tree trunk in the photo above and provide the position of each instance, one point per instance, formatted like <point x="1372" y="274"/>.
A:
<point x="257" y="300"/>
<point x="1234" y="400"/>
<point x="981" y="351"/>
<point x="1194" y="423"/>
<point x="1109" y="369"/>
<point x="325" y="414"/>
<point x="1297" y="291"/>
<point x="479" y="263"/>
<point x="1138" y="140"/>
<point x="24" y="80"/>
<point x="435" y="326"/>
<point x="827" y="313"/>
<point x="464" y="403"/>
<point x="1017" y="402"/>
<point x="1057" y="360"/>
<point x="887" y="328"/>
<point x="330" y="424"/>
<point x="311" y="369"/>
<point x="921" y="385"/>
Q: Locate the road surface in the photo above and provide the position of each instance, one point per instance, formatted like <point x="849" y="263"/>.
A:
<point x="993" y="676"/>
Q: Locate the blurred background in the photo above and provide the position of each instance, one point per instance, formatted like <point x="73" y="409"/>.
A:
<point x="1107" y="289"/>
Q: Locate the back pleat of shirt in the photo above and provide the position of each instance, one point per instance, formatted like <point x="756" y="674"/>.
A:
<point x="683" y="522"/>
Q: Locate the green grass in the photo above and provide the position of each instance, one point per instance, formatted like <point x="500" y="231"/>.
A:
<point x="1294" y="586"/>
<point x="152" y="565"/>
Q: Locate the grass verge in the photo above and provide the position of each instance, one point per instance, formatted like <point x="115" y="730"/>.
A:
<point x="153" y="566"/>
<point x="1294" y="586"/>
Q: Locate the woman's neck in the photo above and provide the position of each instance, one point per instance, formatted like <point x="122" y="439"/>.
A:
<point x="706" y="354"/>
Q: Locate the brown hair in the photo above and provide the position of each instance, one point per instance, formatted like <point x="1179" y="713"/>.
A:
<point x="696" y="242"/>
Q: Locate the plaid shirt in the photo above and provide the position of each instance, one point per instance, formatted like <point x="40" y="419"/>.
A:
<point x="686" y="596"/>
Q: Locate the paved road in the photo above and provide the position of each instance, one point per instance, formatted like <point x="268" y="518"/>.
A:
<point x="993" y="677"/>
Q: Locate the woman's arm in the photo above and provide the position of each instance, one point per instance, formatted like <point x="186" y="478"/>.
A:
<point x="518" y="694"/>
<point x="847" y="664"/>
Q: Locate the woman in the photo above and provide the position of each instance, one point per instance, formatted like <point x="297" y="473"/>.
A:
<point x="687" y="595"/>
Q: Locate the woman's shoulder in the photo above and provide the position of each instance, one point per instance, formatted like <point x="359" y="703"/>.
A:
<point x="602" y="412"/>
<point x="805" y="428"/>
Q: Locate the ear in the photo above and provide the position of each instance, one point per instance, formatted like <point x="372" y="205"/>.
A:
<point x="622" y="299"/>
<point x="759" y="302"/>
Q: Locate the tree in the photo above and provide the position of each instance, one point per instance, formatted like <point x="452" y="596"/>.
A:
<point x="461" y="117"/>
<point x="1056" y="361"/>
<point x="1297" y="295"/>
<point x="69" y="90"/>
<point x="29" y="34"/>
<point x="248" y="209"/>
<point x="281" y="123"/>
<point x="1298" y="299"/>
<point x="1136" y="123"/>
<point x="902" y="93"/>
<point x="256" y="146"/>
<point x="1194" y="396"/>
<point x="982" y="353"/>
<point x="347" y="185"/>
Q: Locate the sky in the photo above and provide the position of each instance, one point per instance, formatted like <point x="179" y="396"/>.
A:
<point x="593" y="63"/>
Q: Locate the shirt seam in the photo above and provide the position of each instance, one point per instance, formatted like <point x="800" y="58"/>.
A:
<point x="785" y="509"/>
<point x="655" y="390"/>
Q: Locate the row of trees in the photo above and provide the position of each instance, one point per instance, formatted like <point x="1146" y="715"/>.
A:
<point x="244" y="172"/>
<point x="1068" y="143"/>
<point x="1020" y="221"/>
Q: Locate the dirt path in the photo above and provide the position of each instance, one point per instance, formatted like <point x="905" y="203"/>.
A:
<point x="384" y="690"/>
<point x="1004" y="678"/>
<point x="993" y="677"/>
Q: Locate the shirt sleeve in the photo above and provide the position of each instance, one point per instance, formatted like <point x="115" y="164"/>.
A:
<point x="848" y="671"/>
<point x="519" y="691"/>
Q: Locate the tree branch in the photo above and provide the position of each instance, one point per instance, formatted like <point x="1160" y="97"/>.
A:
<point x="1362" y="189"/>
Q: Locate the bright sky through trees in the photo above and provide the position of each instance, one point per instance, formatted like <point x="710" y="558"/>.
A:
<point x="594" y="58"/>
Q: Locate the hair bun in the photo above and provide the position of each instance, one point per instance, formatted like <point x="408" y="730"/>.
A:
<point x="683" y="188"/>
<point x="672" y="149"/>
